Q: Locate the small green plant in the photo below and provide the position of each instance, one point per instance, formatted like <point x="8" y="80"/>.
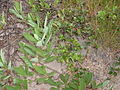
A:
<point x="7" y="77"/>
<point x="5" y="69"/>
<point x="79" y="80"/>
<point x="69" y="53"/>
<point x="38" y="50"/>
<point x="114" y="69"/>
<point x="15" y="77"/>
<point x="18" y="10"/>
<point x="2" y="20"/>
<point x="106" y="29"/>
<point x="44" y="4"/>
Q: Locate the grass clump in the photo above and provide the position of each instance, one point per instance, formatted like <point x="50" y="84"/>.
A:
<point x="105" y="20"/>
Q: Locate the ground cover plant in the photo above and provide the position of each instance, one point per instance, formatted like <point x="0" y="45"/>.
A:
<point x="53" y="36"/>
<point x="105" y="22"/>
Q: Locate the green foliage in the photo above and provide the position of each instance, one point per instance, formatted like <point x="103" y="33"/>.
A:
<point x="23" y="84"/>
<point x="102" y="84"/>
<point x="68" y="49"/>
<point x="38" y="47"/>
<point x="64" y="78"/>
<point x="70" y="82"/>
<point x="114" y="69"/>
<point x="107" y="28"/>
<point x="17" y="10"/>
<point x="23" y="71"/>
<point x="4" y="69"/>
<point x="12" y="87"/>
<point x="2" y="20"/>
<point x="40" y="69"/>
<point x="82" y="84"/>
<point x="29" y="37"/>
<point x="44" y="4"/>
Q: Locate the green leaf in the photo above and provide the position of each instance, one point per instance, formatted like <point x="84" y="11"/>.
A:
<point x="101" y="13"/>
<point x="18" y="6"/>
<point x="88" y="77"/>
<point x="3" y="18"/>
<point x="117" y="63"/>
<point x="51" y="82"/>
<point x="38" y="20"/>
<point x="26" y="49"/>
<point x="34" y="59"/>
<point x="64" y="78"/>
<point x="32" y="23"/>
<point x="27" y="61"/>
<point x="20" y="70"/>
<point x="45" y="23"/>
<point x="41" y="69"/>
<point x="51" y="74"/>
<point x="103" y="84"/>
<point x="93" y="83"/>
<point x="119" y="59"/>
<point x="10" y="65"/>
<point x="21" y="48"/>
<point x="49" y="59"/>
<point x="1" y="71"/>
<point x="29" y="17"/>
<point x="29" y="37"/>
<point x="16" y="13"/>
<point x="45" y="30"/>
<point x="47" y="39"/>
<point x="22" y="83"/>
<point x="29" y="51"/>
<point x="37" y="50"/>
<point x="39" y="43"/>
<point x="48" y="31"/>
<point x="73" y="85"/>
<point x="53" y="88"/>
<point x="82" y="85"/>
<point x="111" y="88"/>
<point x="38" y="33"/>
<point x="1" y="64"/>
<point x="40" y="52"/>
<point x="56" y="2"/>
<point x="1" y="85"/>
<point x="2" y="58"/>
<point x="36" y="37"/>
<point x="113" y="73"/>
<point x="31" y="2"/>
<point x="59" y="83"/>
<point x="42" y="80"/>
<point x="18" y="81"/>
<point x="12" y="88"/>
<point x="5" y="77"/>
<point x="67" y="88"/>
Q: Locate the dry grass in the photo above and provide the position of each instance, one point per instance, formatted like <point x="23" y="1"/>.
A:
<point x="107" y="29"/>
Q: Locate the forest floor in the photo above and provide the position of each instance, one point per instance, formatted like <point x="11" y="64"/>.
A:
<point x="97" y="61"/>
